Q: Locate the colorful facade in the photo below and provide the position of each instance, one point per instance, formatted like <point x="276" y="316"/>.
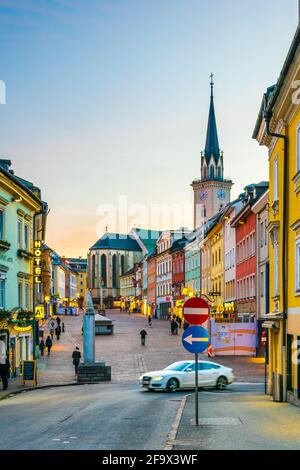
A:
<point x="22" y="229"/>
<point x="278" y="128"/>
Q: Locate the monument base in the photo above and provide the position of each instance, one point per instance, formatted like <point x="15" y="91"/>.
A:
<point x="93" y="373"/>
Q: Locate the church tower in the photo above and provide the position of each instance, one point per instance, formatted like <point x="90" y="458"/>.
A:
<point x="211" y="190"/>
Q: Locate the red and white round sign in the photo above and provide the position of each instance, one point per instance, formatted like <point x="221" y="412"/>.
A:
<point x="196" y="311"/>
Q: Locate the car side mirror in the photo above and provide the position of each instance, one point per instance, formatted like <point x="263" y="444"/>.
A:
<point x="188" y="370"/>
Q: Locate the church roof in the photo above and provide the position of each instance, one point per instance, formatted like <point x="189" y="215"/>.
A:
<point x="116" y="241"/>
<point x="212" y="141"/>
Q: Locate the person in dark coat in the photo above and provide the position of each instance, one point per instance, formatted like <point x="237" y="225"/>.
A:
<point x="58" y="320"/>
<point x="179" y="321"/>
<point x="58" y="332"/>
<point x="48" y="344"/>
<point x="63" y="327"/>
<point x="4" y="371"/>
<point x="185" y="325"/>
<point x="42" y="347"/>
<point x="52" y="333"/>
<point x="76" y="356"/>
<point x="150" y="320"/>
<point x="143" y="334"/>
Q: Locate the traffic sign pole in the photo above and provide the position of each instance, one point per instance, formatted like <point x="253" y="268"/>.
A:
<point x="196" y="339"/>
<point x="197" y="389"/>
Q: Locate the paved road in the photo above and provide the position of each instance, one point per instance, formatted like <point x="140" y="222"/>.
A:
<point x="93" y="417"/>
<point x="107" y="416"/>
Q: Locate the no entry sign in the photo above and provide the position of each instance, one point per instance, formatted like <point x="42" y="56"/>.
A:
<point x="196" y="311"/>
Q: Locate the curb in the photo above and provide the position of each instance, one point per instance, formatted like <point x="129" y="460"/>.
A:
<point x="44" y="387"/>
<point x="174" y="430"/>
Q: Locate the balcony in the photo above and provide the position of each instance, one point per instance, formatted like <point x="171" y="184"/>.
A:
<point x="4" y="245"/>
<point x="25" y="254"/>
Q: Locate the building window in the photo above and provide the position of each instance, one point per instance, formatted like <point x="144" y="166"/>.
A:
<point x="2" y="224"/>
<point x="27" y="297"/>
<point x="262" y="284"/>
<point x="2" y="294"/>
<point x="103" y="270"/>
<point x="275" y="177"/>
<point x="114" y="271"/>
<point x="26" y="237"/>
<point x="297" y="266"/>
<point x="276" y="269"/>
<point x="20" y="294"/>
<point x="20" y="237"/>
<point x="298" y="149"/>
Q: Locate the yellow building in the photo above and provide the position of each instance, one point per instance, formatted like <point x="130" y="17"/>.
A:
<point x="215" y="236"/>
<point x="278" y="128"/>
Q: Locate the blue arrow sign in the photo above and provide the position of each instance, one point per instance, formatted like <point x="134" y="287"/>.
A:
<point x="196" y="339"/>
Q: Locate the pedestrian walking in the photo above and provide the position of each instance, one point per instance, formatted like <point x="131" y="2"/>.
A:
<point x="63" y="327"/>
<point x="42" y="347"/>
<point x="57" y="332"/>
<point x="66" y="311"/>
<point x="150" y="320"/>
<point x="4" y="370"/>
<point x="58" y="320"/>
<point x="52" y="333"/>
<point x="185" y="325"/>
<point x="143" y="334"/>
<point x="179" y="321"/>
<point x="48" y="344"/>
<point x="76" y="356"/>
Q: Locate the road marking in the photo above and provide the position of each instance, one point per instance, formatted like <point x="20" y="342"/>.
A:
<point x="218" y="422"/>
<point x="73" y="437"/>
<point x="66" y="442"/>
<point x="55" y="439"/>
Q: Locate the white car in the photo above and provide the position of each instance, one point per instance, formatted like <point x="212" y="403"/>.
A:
<point x="181" y="375"/>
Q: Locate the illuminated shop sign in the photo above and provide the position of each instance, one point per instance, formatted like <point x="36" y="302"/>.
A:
<point x="37" y="262"/>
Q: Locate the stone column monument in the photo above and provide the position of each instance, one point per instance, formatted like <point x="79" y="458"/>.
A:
<point x="90" y="371"/>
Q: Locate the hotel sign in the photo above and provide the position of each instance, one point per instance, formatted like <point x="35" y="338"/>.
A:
<point x="37" y="274"/>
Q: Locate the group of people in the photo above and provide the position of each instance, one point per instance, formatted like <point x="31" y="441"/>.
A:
<point x="176" y="323"/>
<point x="60" y="327"/>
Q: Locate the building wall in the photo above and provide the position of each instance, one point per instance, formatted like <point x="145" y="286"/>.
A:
<point x="192" y="267"/>
<point x="229" y="258"/>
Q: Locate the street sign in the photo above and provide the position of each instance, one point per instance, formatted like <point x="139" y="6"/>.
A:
<point x="39" y="311"/>
<point x="196" y="339"/>
<point x="196" y="311"/>
<point x="52" y="324"/>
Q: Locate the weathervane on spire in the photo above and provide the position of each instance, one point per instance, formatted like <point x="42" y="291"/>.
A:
<point x="212" y="84"/>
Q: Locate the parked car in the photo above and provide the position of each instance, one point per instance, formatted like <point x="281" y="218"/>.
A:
<point x="181" y="375"/>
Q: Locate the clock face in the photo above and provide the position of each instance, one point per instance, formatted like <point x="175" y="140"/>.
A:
<point x="203" y="195"/>
<point x="221" y="195"/>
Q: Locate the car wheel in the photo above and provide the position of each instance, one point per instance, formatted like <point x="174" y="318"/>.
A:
<point x="172" y="385"/>
<point x="222" y="383"/>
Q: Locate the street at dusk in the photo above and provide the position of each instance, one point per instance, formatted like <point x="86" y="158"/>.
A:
<point x="149" y="230"/>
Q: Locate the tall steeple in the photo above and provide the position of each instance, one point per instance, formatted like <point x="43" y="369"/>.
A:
<point x="212" y="157"/>
<point x="212" y="190"/>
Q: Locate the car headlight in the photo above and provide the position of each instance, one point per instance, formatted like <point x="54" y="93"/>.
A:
<point x="157" y="379"/>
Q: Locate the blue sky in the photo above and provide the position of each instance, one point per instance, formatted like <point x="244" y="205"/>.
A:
<point x="110" y="97"/>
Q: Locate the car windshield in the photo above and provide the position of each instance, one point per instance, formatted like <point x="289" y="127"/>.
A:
<point x="179" y="366"/>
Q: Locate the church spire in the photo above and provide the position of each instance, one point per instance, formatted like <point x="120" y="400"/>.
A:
<point x="212" y="157"/>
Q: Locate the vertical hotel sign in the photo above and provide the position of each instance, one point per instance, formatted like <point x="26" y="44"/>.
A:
<point x="37" y="262"/>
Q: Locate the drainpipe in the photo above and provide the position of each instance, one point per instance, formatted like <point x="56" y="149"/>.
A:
<point x="268" y="114"/>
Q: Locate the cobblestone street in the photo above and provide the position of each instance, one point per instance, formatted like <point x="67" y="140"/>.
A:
<point x="124" y="353"/>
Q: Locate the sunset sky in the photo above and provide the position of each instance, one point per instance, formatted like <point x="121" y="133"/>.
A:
<point x="109" y="98"/>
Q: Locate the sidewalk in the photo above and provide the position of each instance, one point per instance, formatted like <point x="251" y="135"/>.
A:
<point x="56" y="369"/>
<point x="239" y="421"/>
